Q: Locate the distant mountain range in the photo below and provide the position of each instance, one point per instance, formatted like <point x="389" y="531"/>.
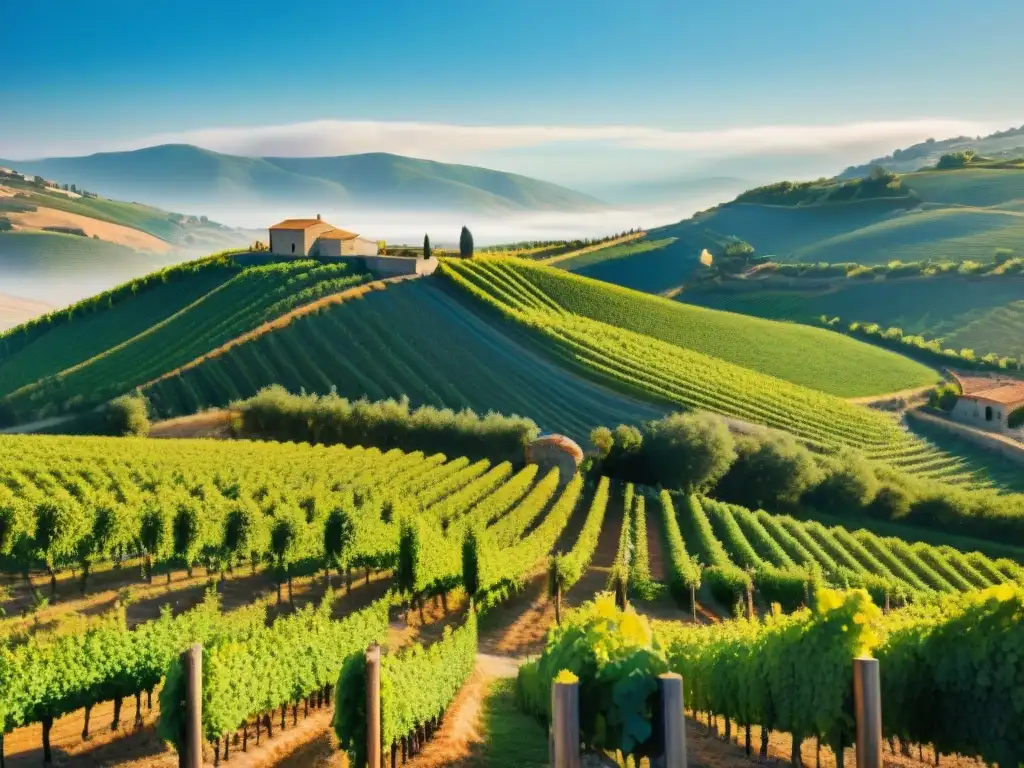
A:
<point x="188" y="178"/>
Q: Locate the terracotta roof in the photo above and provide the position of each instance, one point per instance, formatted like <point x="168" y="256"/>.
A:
<point x="338" y="234"/>
<point x="1008" y="394"/>
<point x="561" y="441"/>
<point x="298" y="224"/>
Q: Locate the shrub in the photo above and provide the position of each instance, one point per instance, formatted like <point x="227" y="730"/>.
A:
<point x="849" y="484"/>
<point x="944" y="397"/>
<point x="1015" y="419"/>
<point x="690" y="452"/>
<point x="275" y="414"/>
<point x="127" y="415"/>
<point x="768" y="471"/>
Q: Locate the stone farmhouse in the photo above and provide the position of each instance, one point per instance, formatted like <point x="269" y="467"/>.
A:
<point x="990" y="408"/>
<point x="315" y="237"/>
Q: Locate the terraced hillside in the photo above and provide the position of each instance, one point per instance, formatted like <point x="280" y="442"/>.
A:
<point x="808" y="356"/>
<point x="656" y="369"/>
<point x="413" y="339"/>
<point x="984" y="315"/>
<point x="89" y="359"/>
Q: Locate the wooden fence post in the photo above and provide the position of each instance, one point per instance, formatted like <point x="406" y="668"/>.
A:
<point x="373" y="706"/>
<point x="564" y="745"/>
<point x="671" y="725"/>
<point x="193" y="746"/>
<point x="867" y="697"/>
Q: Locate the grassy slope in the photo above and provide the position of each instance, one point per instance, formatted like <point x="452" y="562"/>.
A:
<point x="416" y="339"/>
<point x="979" y="187"/>
<point x="51" y="252"/>
<point x="601" y="255"/>
<point x="966" y="214"/>
<point x="140" y="342"/>
<point x="811" y="357"/>
<point x="983" y="315"/>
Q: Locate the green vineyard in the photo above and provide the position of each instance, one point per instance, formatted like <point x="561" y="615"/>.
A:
<point x="33" y="386"/>
<point x="410" y="340"/>
<point x="662" y="371"/>
<point x="436" y="527"/>
<point x="807" y="356"/>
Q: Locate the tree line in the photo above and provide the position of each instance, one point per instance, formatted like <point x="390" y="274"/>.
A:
<point x="697" y="453"/>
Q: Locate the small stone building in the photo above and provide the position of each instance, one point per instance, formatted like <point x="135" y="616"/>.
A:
<point x="555" y="451"/>
<point x="315" y="237"/>
<point x="990" y="408"/>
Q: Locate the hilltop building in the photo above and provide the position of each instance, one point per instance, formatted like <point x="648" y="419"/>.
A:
<point x="315" y="237"/>
<point x="990" y="408"/>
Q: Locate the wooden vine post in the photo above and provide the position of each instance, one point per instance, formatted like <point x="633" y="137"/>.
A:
<point x="671" y="726"/>
<point x="192" y="752"/>
<point x="373" y="706"/>
<point x="564" y="744"/>
<point x="867" y="697"/>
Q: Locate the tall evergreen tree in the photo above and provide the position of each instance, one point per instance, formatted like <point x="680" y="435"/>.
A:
<point x="466" y="243"/>
<point x="427" y="252"/>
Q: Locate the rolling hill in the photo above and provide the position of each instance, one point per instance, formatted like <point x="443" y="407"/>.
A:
<point x="964" y="313"/>
<point x="934" y="215"/>
<point x="651" y="367"/>
<point x="59" y="245"/>
<point x="926" y="153"/>
<point x="812" y="357"/>
<point x="568" y="352"/>
<point x="185" y="177"/>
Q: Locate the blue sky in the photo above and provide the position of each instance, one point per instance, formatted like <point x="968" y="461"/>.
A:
<point x="115" y="74"/>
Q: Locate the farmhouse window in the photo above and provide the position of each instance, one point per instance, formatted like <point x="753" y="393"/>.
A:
<point x="988" y="413"/>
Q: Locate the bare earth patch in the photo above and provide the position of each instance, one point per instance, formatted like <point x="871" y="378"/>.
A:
<point x="15" y="310"/>
<point x="112" y="233"/>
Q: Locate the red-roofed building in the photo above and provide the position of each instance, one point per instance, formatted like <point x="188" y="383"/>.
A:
<point x="315" y="237"/>
<point x="990" y="408"/>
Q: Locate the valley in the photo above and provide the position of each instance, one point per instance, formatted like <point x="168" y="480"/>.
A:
<point x="302" y="496"/>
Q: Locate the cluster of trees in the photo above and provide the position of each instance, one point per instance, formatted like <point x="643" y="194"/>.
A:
<point x="957" y="159"/>
<point x="544" y="248"/>
<point x="929" y="350"/>
<point x="276" y="414"/>
<point x="1004" y="262"/>
<point x="696" y="453"/>
<point x="878" y="183"/>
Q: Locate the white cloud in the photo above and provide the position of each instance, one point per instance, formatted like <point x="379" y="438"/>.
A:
<point x="452" y="142"/>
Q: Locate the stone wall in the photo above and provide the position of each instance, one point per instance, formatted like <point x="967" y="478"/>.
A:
<point x="1001" y="444"/>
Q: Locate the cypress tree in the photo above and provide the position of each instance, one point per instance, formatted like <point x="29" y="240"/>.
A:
<point x="466" y="243"/>
<point x="427" y="252"/>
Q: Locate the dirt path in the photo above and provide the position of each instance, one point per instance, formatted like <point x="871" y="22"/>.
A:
<point x="591" y="248"/>
<point x="34" y="426"/>
<point x="905" y="394"/>
<point x="655" y="550"/>
<point x="213" y="424"/>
